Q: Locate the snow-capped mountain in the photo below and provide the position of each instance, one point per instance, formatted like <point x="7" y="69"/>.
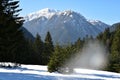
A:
<point x="64" y="26"/>
<point x="100" y="25"/>
<point x="44" y="12"/>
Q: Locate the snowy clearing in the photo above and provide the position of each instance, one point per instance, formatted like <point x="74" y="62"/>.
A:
<point x="36" y="72"/>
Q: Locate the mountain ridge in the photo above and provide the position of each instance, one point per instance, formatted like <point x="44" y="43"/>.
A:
<point x="64" y="26"/>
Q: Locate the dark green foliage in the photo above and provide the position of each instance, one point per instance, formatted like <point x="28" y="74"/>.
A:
<point x="61" y="56"/>
<point x="55" y="60"/>
<point x="115" y="52"/>
<point x="78" y="44"/>
<point x="48" y="48"/>
<point x="112" y="41"/>
<point x="11" y="37"/>
<point x="48" y="43"/>
<point x="13" y="46"/>
<point x="59" y="59"/>
<point x="106" y="38"/>
<point x="106" y="35"/>
<point x="28" y="55"/>
<point x="38" y="44"/>
<point x="39" y="48"/>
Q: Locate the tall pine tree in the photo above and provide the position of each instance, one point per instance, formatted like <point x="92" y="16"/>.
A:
<point x="48" y="48"/>
<point x="56" y="60"/>
<point x="78" y="44"/>
<point x="39" y="47"/>
<point x="59" y="60"/>
<point x="11" y="37"/>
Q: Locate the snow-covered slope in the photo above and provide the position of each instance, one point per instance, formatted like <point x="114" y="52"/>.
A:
<point x="100" y="25"/>
<point x="64" y="26"/>
<point x="44" y="12"/>
<point x="36" y="72"/>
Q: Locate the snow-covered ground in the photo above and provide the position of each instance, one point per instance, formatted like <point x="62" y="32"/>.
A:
<point x="36" y="72"/>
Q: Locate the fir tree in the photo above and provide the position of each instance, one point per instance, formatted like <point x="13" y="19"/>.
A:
<point x="59" y="59"/>
<point x="39" y="47"/>
<point x="48" y="41"/>
<point x="78" y="44"/>
<point x="55" y="61"/>
<point x="48" y="48"/>
<point x="11" y="37"/>
<point x="106" y="35"/>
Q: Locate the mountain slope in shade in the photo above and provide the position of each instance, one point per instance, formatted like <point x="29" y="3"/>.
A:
<point x="114" y="27"/>
<point x="64" y="26"/>
<point x="27" y="34"/>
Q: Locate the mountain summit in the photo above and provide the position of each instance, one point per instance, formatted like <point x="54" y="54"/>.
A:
<point x="64" y="26"/>
<point x="44" y="12"/>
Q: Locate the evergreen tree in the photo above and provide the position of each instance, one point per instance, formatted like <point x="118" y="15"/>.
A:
<point x="55" y="61"/>
<point x="99" y="37"/>
<point x="59" y="59"/>
<point x="78" y="44"/>
<point x="39" y="47"/>
<point x="115" y="52"/>
<point x="106" y="35"/>
<point x="48" y="41"/>
<point x="106" y="38"/>
<point x="11" y="37"/>
<point x="48" y="48"/>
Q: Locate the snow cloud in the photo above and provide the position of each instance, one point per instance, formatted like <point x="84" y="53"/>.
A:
<point x="92" y="56"/>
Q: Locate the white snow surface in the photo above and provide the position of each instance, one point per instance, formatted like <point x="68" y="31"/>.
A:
<point x="38" y="72"/>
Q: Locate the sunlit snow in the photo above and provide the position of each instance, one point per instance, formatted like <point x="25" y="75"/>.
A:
<point x="37" y="72"/>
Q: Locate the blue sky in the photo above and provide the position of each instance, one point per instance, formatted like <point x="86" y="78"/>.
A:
<point x="107" y="11"/>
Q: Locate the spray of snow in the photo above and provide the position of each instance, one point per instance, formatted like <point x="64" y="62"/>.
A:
<point x="92" y="56"/>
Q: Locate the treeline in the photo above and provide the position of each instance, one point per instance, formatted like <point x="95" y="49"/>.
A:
<point x="47" y="53"/>
<point x="43" y="50"/>
<point x="111" y="38"/>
